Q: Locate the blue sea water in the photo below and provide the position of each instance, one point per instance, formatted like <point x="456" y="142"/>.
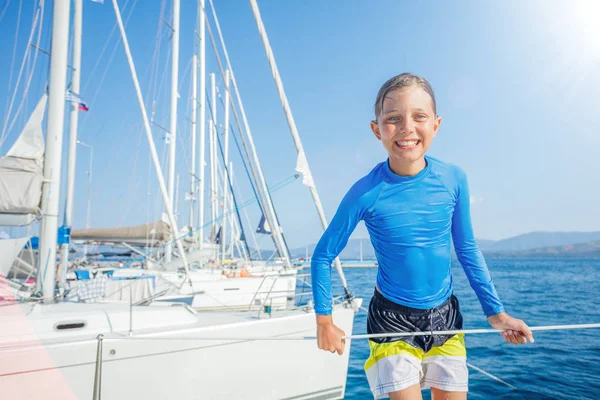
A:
<point x="559" y="365"/>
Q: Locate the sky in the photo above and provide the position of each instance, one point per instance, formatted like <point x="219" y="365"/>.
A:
<point x="516" y="83"/>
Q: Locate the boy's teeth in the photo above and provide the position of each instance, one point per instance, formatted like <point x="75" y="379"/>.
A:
<point x="411" y="143"/>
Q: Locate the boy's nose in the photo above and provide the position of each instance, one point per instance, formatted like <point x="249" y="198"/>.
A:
<point x="407" y="125"/>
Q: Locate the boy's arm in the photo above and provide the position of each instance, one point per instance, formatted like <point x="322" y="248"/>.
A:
<point x="468" y="252"/>
<point x="331" y="244"/>
<point x="514" y="330"/>
<point x="333" y="241"/>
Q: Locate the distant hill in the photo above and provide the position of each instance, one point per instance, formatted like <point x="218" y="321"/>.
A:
<point x="534" y="240"/>
<point x="579" y="250"/>
<point x="538" y="244"/>
<point x="483" y="243"/>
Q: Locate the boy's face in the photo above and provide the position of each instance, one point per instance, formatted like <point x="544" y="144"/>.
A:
<point x="407" y="124"/>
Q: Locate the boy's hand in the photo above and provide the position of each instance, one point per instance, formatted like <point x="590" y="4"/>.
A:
<point x="329" y="336"/>
<point x="515" y="330"/>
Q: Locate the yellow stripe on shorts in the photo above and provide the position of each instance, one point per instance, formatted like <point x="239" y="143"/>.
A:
<point x="455" y="346"/>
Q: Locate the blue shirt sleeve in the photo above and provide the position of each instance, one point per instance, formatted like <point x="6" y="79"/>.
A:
<point x="468" y="252"/>
<point x="331" y="244"/>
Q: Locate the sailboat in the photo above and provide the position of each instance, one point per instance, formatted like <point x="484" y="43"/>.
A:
<point x="115" y="351"/>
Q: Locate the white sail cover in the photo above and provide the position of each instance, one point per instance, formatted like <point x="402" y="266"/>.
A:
<point x="21" y="171"/>
<point x="151" y="233"/>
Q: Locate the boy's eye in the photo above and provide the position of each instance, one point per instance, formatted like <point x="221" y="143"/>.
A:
<point x="393" y="118"/>
<point x="420" y="117"/>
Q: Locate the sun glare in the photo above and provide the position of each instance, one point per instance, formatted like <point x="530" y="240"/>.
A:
<point x="587" y="13"/>
<point x="573" y="29"/>
<point x="586" y="24"/>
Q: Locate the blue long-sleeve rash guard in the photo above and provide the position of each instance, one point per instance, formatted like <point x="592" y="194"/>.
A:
<point x="412" y="221"/>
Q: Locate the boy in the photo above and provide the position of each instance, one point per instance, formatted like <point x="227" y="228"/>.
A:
<point x="412" y="205"/>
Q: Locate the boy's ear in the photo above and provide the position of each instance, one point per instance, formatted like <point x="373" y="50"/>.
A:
<point x="436" y="125"/>
<point x="375" y="129"/>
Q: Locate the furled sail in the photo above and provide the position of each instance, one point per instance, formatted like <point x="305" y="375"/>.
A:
<point x="21" y="173"/>
<point x="148" y="233"/>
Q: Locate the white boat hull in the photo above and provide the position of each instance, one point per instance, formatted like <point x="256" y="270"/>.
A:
<point x="63" y="364"/>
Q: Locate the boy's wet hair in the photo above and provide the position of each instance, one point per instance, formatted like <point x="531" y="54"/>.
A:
<point x="402" y="81"/>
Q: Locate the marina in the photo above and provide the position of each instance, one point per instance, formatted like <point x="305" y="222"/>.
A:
<point x="167" y="168"/>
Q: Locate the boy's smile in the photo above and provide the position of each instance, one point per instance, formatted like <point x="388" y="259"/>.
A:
<point x="407" y="144"/>
<point x="406" y="127"/>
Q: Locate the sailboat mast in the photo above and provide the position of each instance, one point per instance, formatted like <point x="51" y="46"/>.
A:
<point x="213" y="155"/>
<point x="54" y="137"/>
<point x="173" y="121"/>
<point x="176" y="202"/>
<point x="231" y="207"/>
<point x="293" y="130"/>
<point x="202" y="124"/>
<point x="226" y="218"/>
<point x="193" y="139"/>
<point x="74" y="116"/>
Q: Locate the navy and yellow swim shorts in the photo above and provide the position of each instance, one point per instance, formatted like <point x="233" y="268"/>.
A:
<point x="431" y="361"/>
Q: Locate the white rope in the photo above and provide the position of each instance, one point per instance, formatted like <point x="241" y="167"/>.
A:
<point x="491" y="376"/>
<point x="6" y="4"/>
<point x="134" y="183"/>
<point x="471" y="331"/>
<point x="125" y="196"/>
<point x="152" y="69"/>
<point x="355" y="337"/>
